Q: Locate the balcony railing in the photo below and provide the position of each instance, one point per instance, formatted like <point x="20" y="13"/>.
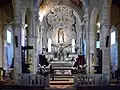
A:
<point x="90" y="80"/>
<point x="33" y="80"/>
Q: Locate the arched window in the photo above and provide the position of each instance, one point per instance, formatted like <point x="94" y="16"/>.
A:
<point x="49" y="45"/>
<point x="114" y="49"/>
<point x="73" y="45"/>
<point x="113" y="38"/>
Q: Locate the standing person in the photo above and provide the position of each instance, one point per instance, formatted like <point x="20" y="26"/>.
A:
<point x="12" y="64"/>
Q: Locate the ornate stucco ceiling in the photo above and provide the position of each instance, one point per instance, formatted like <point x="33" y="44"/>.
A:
<point x="46" y="5"/>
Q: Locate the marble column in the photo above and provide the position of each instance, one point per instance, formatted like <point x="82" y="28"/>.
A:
<point x="17" y="47"/>
<point x="86" y="25"/>
<point x="32" y="41"/>
<point x="92" y="38"/>
<point x="87" y="40"/>
<point x="38" y="50"/>
<point x="105" y="38"/>
<point x="17" y="35"/>
<point x="31" y="54"/>
<point x="87" y="47"/>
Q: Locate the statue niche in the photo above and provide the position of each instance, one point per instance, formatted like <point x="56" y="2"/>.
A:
<point x="61" y="36"/>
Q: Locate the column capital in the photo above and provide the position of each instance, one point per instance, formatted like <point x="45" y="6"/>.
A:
<point x="106" y="25"/>
<point x="19" y="25"/>
<point x="31" y="37"/>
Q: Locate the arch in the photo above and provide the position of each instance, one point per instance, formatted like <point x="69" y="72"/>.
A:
<point x="93" y="22"/>
<point x="93" y="34"/>
<point x="8" y="47"/>
<point x="7" y="6"/>
<point x="114" y="49"/>
<point x="27" y="29"/>
<point x="28" y="23"/>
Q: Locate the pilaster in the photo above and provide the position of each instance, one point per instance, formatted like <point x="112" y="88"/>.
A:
<point x="104" y="38"/>
<point x="86" y="17"/>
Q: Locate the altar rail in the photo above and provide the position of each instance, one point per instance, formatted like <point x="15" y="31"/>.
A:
<point x="33" y="80"/>
<point x="90" y="80"/>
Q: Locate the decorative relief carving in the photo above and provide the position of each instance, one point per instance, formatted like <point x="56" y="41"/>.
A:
<point x="61" y="15"/>
<point x="61" y="26"/>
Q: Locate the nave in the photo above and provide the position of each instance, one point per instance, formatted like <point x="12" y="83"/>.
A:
<point x="59" y="43"/>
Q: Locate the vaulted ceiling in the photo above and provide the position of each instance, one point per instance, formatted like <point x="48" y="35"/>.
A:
<point x="116" y="1"/>
<point x="7" y="8"/>
<point x="5" y="1"/>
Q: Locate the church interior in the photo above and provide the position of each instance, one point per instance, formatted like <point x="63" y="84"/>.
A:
<point x="63" y="44"/>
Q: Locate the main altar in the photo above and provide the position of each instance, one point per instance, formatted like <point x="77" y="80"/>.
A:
<point x="61" y="36"/>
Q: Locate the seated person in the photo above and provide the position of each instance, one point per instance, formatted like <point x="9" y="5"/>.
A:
<point x="43" y="61"/>
<point x="43" y="66"/>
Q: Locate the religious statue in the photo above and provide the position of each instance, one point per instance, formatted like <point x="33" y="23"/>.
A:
<point x="61" y="36"/>
<point x="61" y="54"/>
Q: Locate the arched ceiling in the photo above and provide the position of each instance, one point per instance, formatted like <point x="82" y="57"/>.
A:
<point x="7" y="10"/>
<point x="46" y="5"/>
<point x="116" y="2"/>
